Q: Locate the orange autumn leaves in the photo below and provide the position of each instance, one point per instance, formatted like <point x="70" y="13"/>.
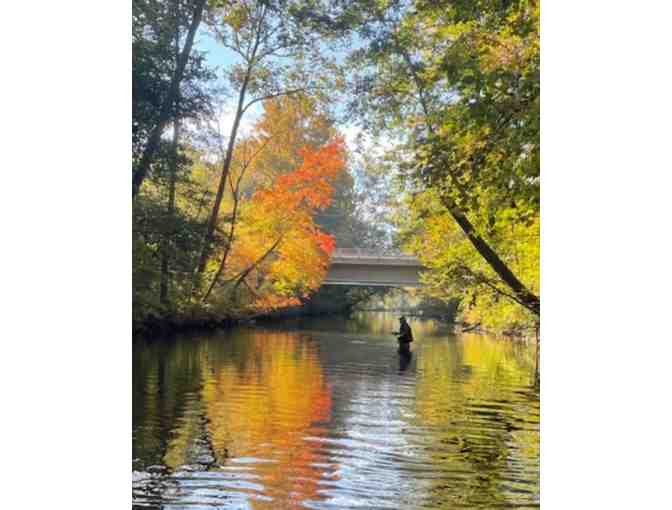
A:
<point x="278" y="237"/>
<point x="309" y="185"/>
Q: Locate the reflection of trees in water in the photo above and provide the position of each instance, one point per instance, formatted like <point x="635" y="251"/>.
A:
<point x="267" y="408"/>
<point x="169" y="428"/>
<point x="166" y="375"/>
<point x="199" y="403"/>
<point x="386" y="322"/>
<point x="262" y="392"/>
<point x="482" y="437"/>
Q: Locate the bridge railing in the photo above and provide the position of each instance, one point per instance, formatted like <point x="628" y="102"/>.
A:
<point x="369" y="256"/>
<point x="362" y="252"/>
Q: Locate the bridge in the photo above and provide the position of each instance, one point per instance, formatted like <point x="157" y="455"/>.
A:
<point x="365" y="268"/>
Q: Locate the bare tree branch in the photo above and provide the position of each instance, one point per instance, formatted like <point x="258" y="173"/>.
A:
<point x="236" y="201"/>
<point x="271" y="96"/>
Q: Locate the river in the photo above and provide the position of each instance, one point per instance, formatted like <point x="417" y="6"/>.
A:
<point x="323" y="413"/>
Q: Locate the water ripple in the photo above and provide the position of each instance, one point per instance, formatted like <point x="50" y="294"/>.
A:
<point x="328" y="419"/>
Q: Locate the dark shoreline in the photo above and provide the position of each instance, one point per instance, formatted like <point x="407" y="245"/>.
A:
<point x="153" y="327"/>
<point x="157" y="326"/>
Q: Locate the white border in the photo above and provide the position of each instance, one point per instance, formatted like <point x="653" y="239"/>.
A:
<point x="66" y="256"/>
<point x="606" y="113"/>
<point x="65" y="209"/>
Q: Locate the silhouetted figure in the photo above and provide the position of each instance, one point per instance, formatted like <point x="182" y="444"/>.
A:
<point x="404" y="360"/>
<point x="405" y="336"/>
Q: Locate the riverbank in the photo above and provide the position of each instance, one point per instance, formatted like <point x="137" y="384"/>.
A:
<point x="326" y="301"/>
<point x="153" y="325"/>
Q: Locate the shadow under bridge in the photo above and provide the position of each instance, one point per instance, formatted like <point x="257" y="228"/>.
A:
<point x="367" y="268"/>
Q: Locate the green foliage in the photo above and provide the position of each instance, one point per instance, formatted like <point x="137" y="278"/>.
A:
<point x="457" y="270"/>
<point x="150" y="223"/>
<point x="458" y="84"/>
<point x="158" y="28"/>
<point x="452" y="87"/>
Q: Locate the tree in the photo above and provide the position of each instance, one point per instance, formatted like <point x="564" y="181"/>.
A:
<point x="250" y="151"/>
<point x="457" y="270"/>
<point x="279" y="254"/>
<point x="153" y="27"/>
<point x="277" y="56"/>
<point x="292" y="124"/>
<point x="170" y="208"/>
<point x="161" y="228"/>
<point x="458" y="83"/>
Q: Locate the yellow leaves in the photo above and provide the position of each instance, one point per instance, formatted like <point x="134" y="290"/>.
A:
<point x="508" y="49"/>
<point x="237" y="18"/>
<point x="290" y="123"/>
<point x="456" y="269"/>
<point x="508" y="53"/>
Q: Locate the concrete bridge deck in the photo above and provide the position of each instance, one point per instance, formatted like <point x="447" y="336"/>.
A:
<point x="357" y="267"/>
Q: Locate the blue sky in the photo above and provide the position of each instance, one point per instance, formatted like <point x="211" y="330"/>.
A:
<point x="217" y="55"/>
<point x="221" y="58"/>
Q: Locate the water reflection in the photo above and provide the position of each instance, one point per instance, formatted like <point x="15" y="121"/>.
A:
<point x="263" y="405"/>
<point x="479" y="410"/>
<point x="325" y="414"/>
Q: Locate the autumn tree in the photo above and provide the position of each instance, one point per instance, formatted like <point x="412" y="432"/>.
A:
<point x="280" y="255"/>
<point x="457" y="83"/>
<point x="276" y="56"/>
<point x="288" y="125"/>
<point x="291" y="123"/>
<point x="247" y="151"/>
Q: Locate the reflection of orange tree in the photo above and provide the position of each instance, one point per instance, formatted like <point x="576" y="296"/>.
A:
<point x="267" y="406"/>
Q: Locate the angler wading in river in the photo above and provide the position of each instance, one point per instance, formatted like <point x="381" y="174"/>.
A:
<point x="404" y="336"/>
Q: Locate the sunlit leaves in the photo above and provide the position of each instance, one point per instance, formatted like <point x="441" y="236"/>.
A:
<point x="279" y="216"/>
<point x="458" y="81"/>
<point x="456" y="270"/>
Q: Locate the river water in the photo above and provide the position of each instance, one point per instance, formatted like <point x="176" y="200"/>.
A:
<point x="324" y="414"/>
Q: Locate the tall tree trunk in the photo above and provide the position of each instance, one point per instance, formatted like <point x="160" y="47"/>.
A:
<point x="227" y="248"/>
<point x="168" y="224"/>
<point x="527" y="298"/>
<point x="226" y="165"/>
<point x="165" y="114"/>
<point x="166" y="242"/>
<point x="235" y="194"/>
